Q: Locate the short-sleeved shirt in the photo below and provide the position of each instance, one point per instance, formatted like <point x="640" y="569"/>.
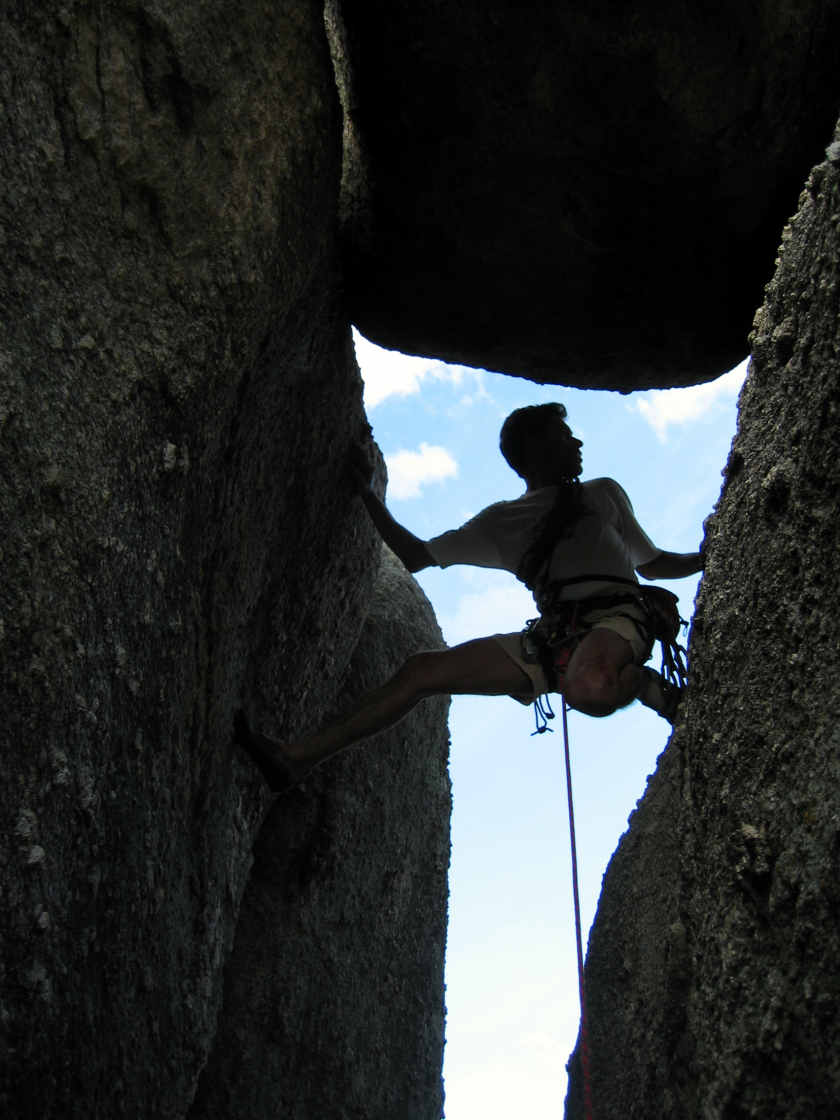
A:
<point x="607" y="540"/>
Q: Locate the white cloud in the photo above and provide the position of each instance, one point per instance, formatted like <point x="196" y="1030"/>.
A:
<point x="550" y="1051"/>
<point x="388" y="373"/>
<point x="500" y="608"/>
<point x="664" y="407"/>
<point x="410" y="471"/>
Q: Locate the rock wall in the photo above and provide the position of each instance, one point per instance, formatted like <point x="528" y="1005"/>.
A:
<point x="333" y="996"/>
<point x="728" y="1003"/>
<point x="580" y="193"/>
<point x="178" y="534"/>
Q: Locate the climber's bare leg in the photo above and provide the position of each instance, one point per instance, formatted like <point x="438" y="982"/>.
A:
<point x="602" y="676"/>
<point x="479" y="668"/>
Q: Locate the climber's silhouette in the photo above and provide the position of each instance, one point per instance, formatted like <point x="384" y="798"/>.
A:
<point x="578" y="547"/>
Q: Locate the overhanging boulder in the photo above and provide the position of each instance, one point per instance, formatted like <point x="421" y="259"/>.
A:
<point x="579" y="193"/>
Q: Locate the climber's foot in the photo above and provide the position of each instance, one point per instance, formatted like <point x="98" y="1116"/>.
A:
<point x="279" y="771"/>
<point x="660" y="695"/>
<point x="674" y="696"/>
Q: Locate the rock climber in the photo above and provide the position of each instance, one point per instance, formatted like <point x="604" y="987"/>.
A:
<point x="577" y="546"/>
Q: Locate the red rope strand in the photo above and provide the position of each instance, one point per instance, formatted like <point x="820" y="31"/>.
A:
<point x="584" y="1038"/>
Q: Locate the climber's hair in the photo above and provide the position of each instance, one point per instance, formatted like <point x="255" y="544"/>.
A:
<point x="524" y="424"/>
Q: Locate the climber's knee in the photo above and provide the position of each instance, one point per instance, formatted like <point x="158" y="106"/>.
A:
<point x="593" y="691"/>
<point x="422" y="674"/>
<point x="592" y="683"/>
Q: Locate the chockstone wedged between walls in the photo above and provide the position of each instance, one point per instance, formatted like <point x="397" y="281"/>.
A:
<point x="713" y="971"/>
<point x="582" y="194"/>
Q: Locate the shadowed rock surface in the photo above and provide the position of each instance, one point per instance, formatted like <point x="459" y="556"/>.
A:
<point x="740" y="1015"/>
<point x="333" y="996"/>
<point x="581" y="193"/>
<point x="178" y="534"/>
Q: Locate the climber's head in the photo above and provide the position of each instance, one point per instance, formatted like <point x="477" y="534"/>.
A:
<point x="538" y="444"/>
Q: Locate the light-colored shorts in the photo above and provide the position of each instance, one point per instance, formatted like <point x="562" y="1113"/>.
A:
<point x="618" y="618"/>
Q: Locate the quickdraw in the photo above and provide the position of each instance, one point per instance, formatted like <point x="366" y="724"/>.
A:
<point x="661" y="606"/>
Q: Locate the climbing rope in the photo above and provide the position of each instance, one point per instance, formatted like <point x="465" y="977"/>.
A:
<point x="584" y="1038"/>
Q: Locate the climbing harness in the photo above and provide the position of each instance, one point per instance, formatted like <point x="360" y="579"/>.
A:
<point x="553" y="636"/>
<point x="584" y="1033"/>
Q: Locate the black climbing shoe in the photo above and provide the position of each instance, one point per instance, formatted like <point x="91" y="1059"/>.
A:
<point x="277" y="774"/>
<point x="672" y="694"/>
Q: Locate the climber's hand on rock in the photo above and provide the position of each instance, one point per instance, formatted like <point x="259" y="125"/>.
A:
<point x="362" y="468"/>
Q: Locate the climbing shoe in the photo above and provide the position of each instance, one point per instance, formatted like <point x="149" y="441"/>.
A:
<point x="671" y="694"/>
<point x="674" y="696"/>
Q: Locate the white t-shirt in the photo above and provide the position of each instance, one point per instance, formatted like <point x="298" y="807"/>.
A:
<point x="608" y="540"/>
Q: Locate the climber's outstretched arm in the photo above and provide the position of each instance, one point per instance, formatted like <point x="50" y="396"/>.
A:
<point x="672" y="565"/>
<point x="410" y="549"/>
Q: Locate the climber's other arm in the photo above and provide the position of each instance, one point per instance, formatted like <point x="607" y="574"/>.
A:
<point x="410" y="549"/>
<point x="672" y="565"/>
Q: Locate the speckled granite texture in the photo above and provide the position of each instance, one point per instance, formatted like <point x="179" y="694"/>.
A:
<point x="333" y="997"/>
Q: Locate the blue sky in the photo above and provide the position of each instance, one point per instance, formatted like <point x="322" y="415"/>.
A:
<point x="511" y="969"/>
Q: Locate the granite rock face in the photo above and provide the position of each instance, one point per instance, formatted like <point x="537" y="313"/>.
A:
<point x="740" y="1013"/>
<point x="333" y="995"/>
<point x="580" y="193"/>
<point x="177" y="393"/>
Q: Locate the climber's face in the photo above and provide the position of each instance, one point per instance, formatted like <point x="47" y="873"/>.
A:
<point x="554" y="455"/>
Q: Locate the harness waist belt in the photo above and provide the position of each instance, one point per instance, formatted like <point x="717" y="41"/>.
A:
<point x="549" y="596"/>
